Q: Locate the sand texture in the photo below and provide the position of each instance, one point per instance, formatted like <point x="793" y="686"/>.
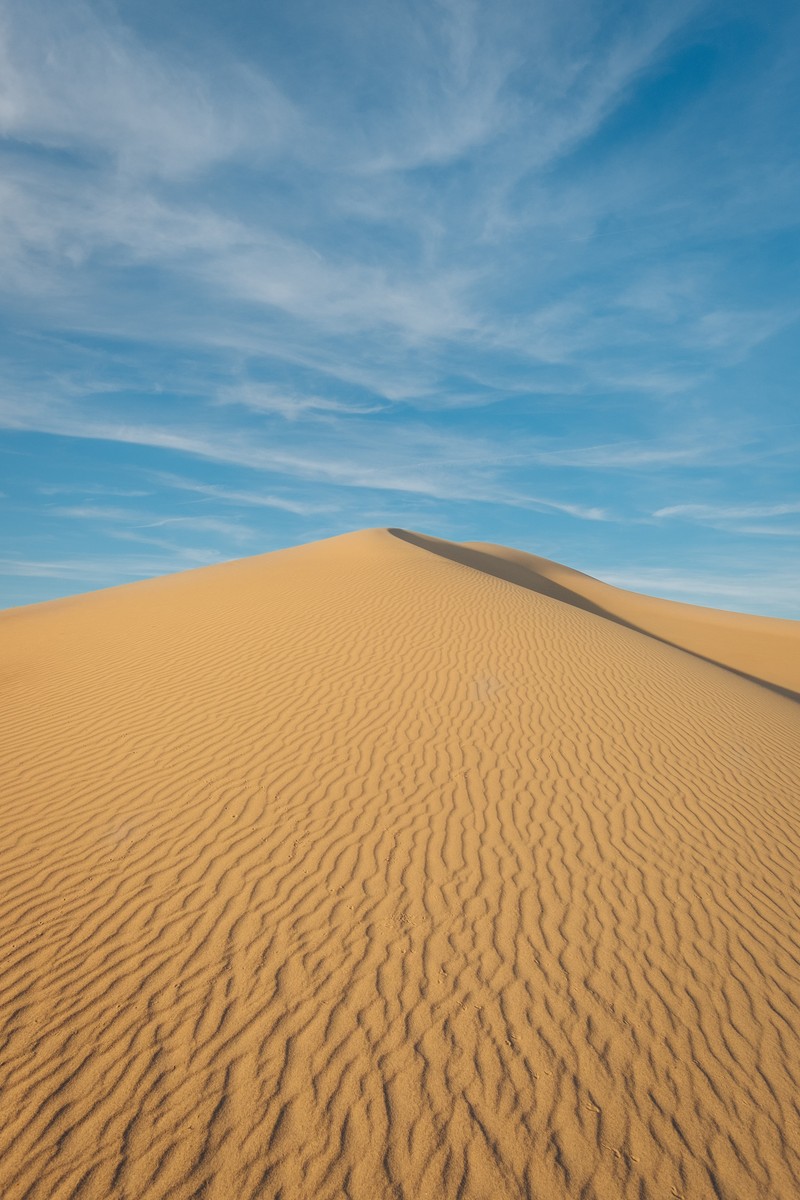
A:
<point x="391" y="868"/>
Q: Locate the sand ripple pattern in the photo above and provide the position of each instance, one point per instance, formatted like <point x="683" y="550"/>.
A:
<point x="354" y="871"/>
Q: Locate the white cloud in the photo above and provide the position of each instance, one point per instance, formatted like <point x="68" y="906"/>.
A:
<point x="91" y="512"/>
<point x="728" y="512"/>
<point x="634" y="455"/>
<point x="416" y="462"/>
<point x="75" y="79"/>
<point x="737" y="333"/>
<point x="450" y="96"/>
<point x="107" y="569"/>
<point x="88" y="489"/>
<point x="279" y="273"/>
<point x="747" y="593"/>
<point x="767" y="530"/>
<point x="237" y="496"/>
<point x="267" y="398"/>
<point x="234" y="530"/>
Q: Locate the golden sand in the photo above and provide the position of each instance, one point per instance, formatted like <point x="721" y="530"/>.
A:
<point x="391" y="868"/>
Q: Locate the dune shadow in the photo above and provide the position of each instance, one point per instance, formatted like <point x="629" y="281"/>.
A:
<point x="534" y="581"/>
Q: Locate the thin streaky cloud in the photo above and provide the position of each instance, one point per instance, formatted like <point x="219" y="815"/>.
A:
<point x="734" y="512"/>
<point x="92" y="512"/>
<point x="230" y="529"/>
<point x="233" y="530"/>
<point x="415" y="479"/>
<point x="234" y="496"/>
<point x="606" y="457"/>
<point x="73" y="77"/>
<point x="770" y="531"/>
<point x="268" y="399"/>
<point x="89" y="490"/>
<point x="107" y="569"/>
<point x="706" y="589"/>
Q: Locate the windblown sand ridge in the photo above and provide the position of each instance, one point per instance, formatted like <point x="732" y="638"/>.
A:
<point x="369" y="870"/>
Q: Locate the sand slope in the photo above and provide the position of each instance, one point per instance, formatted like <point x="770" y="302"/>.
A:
<point x="360" y="870"/>
<point x="764" y="649"/>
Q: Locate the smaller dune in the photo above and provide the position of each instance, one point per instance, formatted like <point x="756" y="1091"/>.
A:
<point x="765" y="650"/>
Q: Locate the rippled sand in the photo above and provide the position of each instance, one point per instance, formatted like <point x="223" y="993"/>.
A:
<point x="389" y="867"/>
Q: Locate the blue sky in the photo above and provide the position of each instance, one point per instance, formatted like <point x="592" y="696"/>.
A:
<point x="524" y="273"/>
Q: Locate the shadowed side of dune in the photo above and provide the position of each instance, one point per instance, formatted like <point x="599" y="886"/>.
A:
<point x="535" y="581"/>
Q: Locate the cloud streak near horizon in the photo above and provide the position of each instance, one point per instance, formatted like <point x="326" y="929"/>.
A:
<point x="502" y="274"/>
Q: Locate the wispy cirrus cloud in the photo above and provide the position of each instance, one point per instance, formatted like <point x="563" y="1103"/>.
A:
<point x="89" y="489"/>
<point x="752" y="520"/>
<point x="239" y="498"/>
<point x="772" y="531"/>
<point x="235" y="531"/>
<point x="418" y="462"/>
<point x="91" y="512"/>
<point x="778" y="592"/>
<point x="142" y="520"/>
<point x="106" y="570"/>
<point x="458" y="89"/>
<point x="266" y="398"/>
<point x="728" y="512"/>
<point x="75" y="78"/>
<point x="629" y="455"/>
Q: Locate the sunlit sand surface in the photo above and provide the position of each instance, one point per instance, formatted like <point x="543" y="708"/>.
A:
<point x="387" y="867"/>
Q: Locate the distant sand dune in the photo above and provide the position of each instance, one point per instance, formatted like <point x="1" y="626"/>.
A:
<point x="762" y="649"/>
<point x="392" y="868"/>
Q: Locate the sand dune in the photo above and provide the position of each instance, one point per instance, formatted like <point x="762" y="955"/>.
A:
<point x="763" y="649"/>
<point x="386" y="867"/>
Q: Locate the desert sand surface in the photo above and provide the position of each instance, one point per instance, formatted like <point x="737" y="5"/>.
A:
<point x="386" y="867"/>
